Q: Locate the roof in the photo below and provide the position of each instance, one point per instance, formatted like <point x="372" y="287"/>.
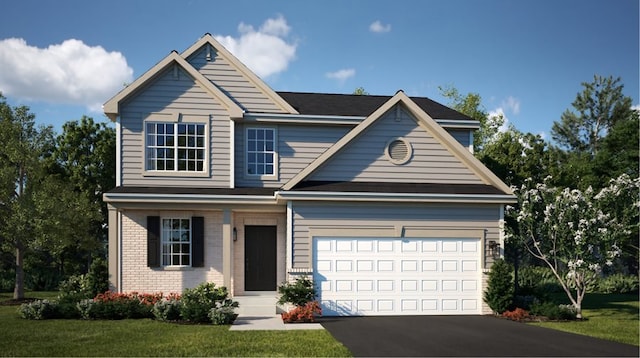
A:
<point x="405" y="188"/>
<point x="360" y="105"/>
<point x="190" y="190"/>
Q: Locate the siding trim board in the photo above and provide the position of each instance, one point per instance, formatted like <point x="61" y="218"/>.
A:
<point x="397" y="197"/>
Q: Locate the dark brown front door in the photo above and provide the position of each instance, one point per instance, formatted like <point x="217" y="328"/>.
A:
<point x="259" y="258"/>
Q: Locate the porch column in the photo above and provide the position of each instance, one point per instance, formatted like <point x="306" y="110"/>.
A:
<point x="227" y="236"/>
<point x="114" y="255"/>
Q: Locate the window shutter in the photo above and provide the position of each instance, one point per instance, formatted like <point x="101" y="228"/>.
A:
<point x="153" y="241"/>
<point x="197" y="241"/>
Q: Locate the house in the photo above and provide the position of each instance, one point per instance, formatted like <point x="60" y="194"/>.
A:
<point x="222" y="179"/>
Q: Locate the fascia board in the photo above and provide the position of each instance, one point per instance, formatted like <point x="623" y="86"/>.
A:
<point x="253" y="78"/>
<point x="115" y="198"/>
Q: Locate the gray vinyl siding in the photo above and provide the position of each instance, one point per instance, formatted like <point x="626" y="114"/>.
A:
<point x="363" y="159"/>
<point x="461" y="135"/>
<point x="232" y="82"/>
<point x="441" y="216"/>
<point x="171" y="94"/>
<point x="298" y="146"/>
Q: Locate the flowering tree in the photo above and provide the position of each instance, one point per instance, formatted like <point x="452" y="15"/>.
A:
<point x="573" y="232"/>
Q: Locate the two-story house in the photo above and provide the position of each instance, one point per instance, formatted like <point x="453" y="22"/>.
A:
<point x="222" y="179"/>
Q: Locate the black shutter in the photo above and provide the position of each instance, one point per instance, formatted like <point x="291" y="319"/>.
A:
<point x="197" y="241"/>
<point x="153" y="241"/>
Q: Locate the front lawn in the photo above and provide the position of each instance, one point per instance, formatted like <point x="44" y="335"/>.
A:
<point x="145" y="337"/>
<point x="608" y="316"/>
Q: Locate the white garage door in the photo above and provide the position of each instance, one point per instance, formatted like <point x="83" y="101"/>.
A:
<point x="374" y="276"/>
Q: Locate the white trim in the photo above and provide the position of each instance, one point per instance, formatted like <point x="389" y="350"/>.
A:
<point x="301" y="118"/>
<point x="458" y="123"/>
<point x="188" y="198"/>
<point x="120" y="267"/>
<point x="397" y="197"/>
<point x="471" y="142"/>
<point x="289" y="234"/>
<point x="232" y="154"/>
<point x="118" y="152"/>
<point x="501" y="224"/>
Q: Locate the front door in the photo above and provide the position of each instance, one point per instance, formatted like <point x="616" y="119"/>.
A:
<point x="260" y="258"/>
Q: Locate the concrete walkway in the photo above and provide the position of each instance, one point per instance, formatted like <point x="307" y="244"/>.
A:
<point x="268" y="323"/>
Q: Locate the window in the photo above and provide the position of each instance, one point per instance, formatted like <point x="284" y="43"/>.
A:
<point x="179" y="147"/>
<point x="176" y="242"/>
<point x="261" y="154"/>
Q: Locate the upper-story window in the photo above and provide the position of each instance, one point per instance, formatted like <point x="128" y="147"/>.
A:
<point x="177" y="147"/>
<point x="261" y="152"/>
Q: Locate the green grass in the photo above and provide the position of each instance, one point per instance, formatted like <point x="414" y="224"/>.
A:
<point x="608" y="316"/>
<point x="20" y="337"/>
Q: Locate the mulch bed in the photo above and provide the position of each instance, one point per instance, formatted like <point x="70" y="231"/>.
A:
<point x="17" y="302"/>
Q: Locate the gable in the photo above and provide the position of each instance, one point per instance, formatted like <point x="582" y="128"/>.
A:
<point x="237" y="81"/>
<point x="365" y="158"/>
<point x="422" y="120"/>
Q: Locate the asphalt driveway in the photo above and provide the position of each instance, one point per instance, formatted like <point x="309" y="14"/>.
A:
<point x="470" y="336"/>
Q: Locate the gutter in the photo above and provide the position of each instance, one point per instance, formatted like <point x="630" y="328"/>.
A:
<point x="398" y="197"/>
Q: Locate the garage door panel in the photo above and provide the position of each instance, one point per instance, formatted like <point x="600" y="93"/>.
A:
<point x="398" y="276"/>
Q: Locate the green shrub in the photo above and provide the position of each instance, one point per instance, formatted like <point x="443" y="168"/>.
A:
<point x="553" y="311"/>
<point x="115" y="306"/>
<point x="538" y="281"/>
<point x="618" y="283"/>
<point x="298" y="293"/>
<point x="38" y="310"/>
<point x="197" y="302"/>
<point x="167" y="310"/>
<point x="221" y="315"/>
<point x="97" y="279"/>
<point x="74" y="289"/>
<point x="499" y="293"/>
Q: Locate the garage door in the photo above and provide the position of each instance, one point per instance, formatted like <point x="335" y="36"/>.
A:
<point x="374" y="276"/>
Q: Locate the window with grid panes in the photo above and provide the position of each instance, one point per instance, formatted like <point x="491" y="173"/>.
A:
<point x="177" y="147"/>
<point x="176" y="242"/>
<point x="261" y="153"/>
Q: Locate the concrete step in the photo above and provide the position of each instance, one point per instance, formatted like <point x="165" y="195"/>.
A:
<point x="257" y="304"/>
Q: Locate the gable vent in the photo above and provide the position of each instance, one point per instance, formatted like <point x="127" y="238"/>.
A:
<point x="398" y="151"/>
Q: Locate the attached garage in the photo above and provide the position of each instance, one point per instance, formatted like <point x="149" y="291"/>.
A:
<point x="398" y="276"/>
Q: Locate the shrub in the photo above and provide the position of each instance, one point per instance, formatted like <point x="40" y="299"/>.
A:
<point x="110" y="305"/>
<point x="74" y="289"/>
<point x="538" y="280"/>
<point x="297" y="293"/>
<point x="167" y="309"/>
<point x="38" y="310"/>
<point x="303" y="313"/>
<point x="97" y="279"/>
<point x="618" y="283"/>
<point x="553" y="311"/>
<point x="198" y="302"/>
<point x="517" y="314"/>
<point x="499" y="293"/>
<point x="221" y="315"/>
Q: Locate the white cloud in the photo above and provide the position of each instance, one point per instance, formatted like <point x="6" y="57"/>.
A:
<point x="68" y="73"/>
<point x="265" y="51"/>
<point x="378" y="27"/>
<point x="636" y="107"/>
<point x="342" y="75"/>
<point x="512" y="104"/>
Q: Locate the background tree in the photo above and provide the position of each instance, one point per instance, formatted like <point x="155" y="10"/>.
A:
<point x="599" y="110"/>
<point x="471" y="105"/>
<point x="38" y="211"/>
<point x="85" y="156"/>
<point x="360" y="91"/>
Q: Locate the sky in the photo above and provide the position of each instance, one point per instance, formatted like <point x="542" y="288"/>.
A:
<point x="526" y="59"/>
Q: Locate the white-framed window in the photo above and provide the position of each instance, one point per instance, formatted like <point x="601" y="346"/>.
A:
<point x="261" y="154"/>
<point x="176" y="147"/>
<point x="176" y="241"/>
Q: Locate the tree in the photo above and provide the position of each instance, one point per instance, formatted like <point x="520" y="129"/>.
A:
<point x="499" y="293"/>
<point x="37" y="211"/>
<point x="600" y="106"/>
<point x="360" y="91"/>
<point x="571" y="231"/>
<point x="85" y="156"/>
<point x="471" y="105"/>
<point x="515" y="156"/>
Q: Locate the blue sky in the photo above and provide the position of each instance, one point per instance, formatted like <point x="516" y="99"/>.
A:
<point x="527" y="59"/>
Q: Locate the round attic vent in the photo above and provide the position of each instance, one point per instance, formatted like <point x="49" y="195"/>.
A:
<point x="398" y="151"/>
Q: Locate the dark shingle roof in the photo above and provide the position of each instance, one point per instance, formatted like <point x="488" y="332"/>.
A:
<point x="191" y="190"/>
<point x="405" y="188"/>
<point x="359" y="105"/>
